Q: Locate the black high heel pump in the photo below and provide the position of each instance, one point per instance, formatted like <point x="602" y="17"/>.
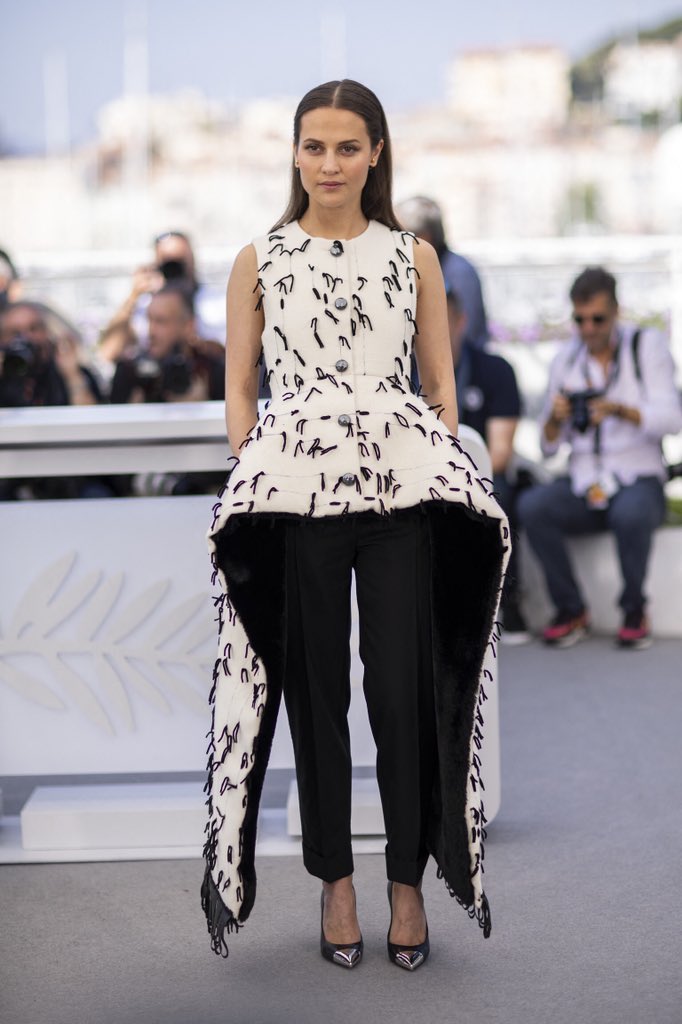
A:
<point x="345" y="955"/>
<point x="407" y="957"/>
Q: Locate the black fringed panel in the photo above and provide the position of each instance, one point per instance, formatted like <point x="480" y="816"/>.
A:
<point x="219" y="919"/>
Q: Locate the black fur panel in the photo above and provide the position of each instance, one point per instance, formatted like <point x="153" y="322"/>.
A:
<point x="252" y="552"/>
<point x="466" y="571"/>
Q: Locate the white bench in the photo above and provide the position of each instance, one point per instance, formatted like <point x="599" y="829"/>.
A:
<point x="596" y="567"/>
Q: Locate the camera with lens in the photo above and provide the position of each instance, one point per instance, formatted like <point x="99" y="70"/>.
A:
<point x="20" y="358"/>
<point x="580" y="409"/>
<point x="22" y="366"/>
<point x="174" y="271"/>
<point x="158" y="377"/>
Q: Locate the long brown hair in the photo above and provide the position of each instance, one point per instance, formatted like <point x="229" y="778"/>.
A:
<point x="377" y="203"/>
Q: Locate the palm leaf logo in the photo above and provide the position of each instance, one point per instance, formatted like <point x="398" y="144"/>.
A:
<point x="75" y="643"/>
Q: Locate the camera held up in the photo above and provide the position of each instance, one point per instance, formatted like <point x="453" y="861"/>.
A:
<point x="580" y="407"/>
<point x="170" y="375"/>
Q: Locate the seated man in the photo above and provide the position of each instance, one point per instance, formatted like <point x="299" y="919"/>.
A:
<point x="612" y="398"/>
<point x="488" y="401"/>
<point x="174" y="367"/>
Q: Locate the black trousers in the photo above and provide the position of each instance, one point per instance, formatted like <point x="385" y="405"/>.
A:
<point x="391" y="560"/>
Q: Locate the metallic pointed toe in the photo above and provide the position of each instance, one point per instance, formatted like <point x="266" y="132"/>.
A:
<point x="346" y="954"/>
<point x="407" y="957"/>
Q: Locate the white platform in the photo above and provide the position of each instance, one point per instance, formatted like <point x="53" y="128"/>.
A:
<point x="113" y="816"/>
<point x="148" y="821"/>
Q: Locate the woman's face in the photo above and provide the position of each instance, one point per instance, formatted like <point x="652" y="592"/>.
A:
<point x="334" y="155"/>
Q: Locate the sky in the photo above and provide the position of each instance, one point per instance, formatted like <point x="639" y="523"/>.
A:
<point x="253" y="48"/>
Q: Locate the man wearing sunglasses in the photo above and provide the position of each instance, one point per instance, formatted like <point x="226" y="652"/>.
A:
<point x="612" y="398"/>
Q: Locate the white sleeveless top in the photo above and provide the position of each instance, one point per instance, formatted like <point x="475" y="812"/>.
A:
<point x="343" y="432"/>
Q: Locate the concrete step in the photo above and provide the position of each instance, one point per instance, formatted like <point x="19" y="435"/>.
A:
<point x="145" y="815"/>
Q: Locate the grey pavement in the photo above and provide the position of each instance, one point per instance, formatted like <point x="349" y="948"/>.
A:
<point x="584" y="876"/>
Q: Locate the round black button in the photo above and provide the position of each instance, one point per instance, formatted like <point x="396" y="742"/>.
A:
<point x="348" y="478"/>
<point x="341" y="303"/>
<point x="336" y="249"/>
<point x="341" y="365"/>
<point x="344" y="419"/>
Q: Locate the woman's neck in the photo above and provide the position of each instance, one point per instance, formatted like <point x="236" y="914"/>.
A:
<point x="333" y="223"/>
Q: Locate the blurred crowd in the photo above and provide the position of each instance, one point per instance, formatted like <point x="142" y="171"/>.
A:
<point x="610" y="400"/>
<point x="159" y="346"/>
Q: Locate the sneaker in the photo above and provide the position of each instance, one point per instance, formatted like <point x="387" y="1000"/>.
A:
<point x="635" y="633"/>
<point x="514" y="628"/>
<point x="566" y="629"/>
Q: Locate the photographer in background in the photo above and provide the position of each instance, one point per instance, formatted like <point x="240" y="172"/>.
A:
<point x="36" y="369"/>
<point x="173" y="367"/>
<point x="174" y="264"/>
<point x="612" y="398"/>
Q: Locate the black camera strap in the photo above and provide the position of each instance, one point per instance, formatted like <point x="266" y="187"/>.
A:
<point x="611" y="376"/>
<point x="613" y="371"/>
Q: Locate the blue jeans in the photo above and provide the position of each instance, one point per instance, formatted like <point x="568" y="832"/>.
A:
<point x="551" y="512"/>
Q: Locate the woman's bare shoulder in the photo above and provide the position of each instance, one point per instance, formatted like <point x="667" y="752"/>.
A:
<point x="246" y="260"/>
<point x="428" y="267"/>
<point x="425" y="256"/>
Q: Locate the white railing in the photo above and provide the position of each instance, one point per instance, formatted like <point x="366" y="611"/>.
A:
<point x="526" y="281"/>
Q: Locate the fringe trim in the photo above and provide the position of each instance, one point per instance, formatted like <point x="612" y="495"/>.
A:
<point x="219" y="919"/>
<point x="481" y="913"/>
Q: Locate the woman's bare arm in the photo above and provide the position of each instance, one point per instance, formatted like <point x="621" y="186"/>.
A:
<point x="432" y="344"/>
<point x="243" y="347"/>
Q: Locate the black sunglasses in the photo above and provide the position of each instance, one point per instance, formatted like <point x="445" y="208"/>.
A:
<point x="597" y="318"/>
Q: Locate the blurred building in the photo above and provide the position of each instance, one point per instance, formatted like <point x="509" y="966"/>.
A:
<point x="504" y="93"/>
<point x="644" y="80"/>
<point x="506" y="153"/>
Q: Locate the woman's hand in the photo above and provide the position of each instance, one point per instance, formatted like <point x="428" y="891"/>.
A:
<point x="560" y="414"/>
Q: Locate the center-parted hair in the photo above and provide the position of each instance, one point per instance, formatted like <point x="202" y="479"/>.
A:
<point x="377" y="203"/>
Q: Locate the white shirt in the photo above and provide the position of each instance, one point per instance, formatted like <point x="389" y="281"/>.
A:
<point x="626" y="451"/>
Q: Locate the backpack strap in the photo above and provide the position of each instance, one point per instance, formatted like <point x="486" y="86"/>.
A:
<point x="635" y="354"/>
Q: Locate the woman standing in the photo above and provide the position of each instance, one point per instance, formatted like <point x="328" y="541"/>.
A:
<point x="347" y="470"/>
